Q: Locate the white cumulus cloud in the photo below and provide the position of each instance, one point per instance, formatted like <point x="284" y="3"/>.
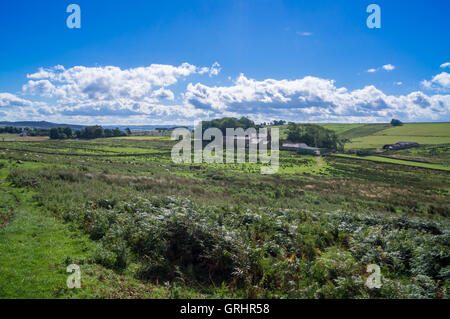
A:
<point x="313" y="99"/>
<point x="388" y="67"/>
<point x="440" y="81"/>
<point x="11" y="100"/>
<point x="109" y="82"/>
<point x="110" y="89"/>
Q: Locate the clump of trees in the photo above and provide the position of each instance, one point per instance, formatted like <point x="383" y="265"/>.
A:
<point x="27" y="130"/>
<point x="396" y="122"/>
<point x="60" y="133"/>
<point x="313" y="135"/>
<point x="11" y="130"/>
<point x="89" y="132"/>
<point x="37" y="131"/>
<point x="228" y="122"/>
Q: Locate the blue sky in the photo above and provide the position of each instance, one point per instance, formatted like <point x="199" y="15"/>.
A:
<point x="175" y="62"/>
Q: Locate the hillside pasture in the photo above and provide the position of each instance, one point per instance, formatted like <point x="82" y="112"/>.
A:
<point x="422" y="133"/>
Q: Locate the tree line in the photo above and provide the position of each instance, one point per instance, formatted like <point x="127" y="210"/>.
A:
<point x="29" y="131"/>
<point x="232" y="122"/>
<point x="89" y="132"/>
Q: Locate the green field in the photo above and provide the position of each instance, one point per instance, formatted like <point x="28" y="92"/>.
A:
<point x="363" y="130"/>
<point x="418" y="129"/>
<point x="141" y="226"/>
<point x="377" y="135"/>
<point x="341" y="128"/>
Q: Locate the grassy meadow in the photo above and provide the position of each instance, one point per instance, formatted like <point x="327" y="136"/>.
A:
<point x="141" y="226"/>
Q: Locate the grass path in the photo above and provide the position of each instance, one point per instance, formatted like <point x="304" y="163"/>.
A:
<point x="36" y="248"/>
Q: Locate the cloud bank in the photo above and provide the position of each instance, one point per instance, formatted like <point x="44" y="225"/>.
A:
<point x="160" y="94"/>
<point x="313" y="99"/>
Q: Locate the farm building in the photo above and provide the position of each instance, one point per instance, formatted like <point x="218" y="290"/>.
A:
<point x="400" y="145"/>
<point x="302" y="148"/>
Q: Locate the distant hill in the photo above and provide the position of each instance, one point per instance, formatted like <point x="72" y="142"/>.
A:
<point x="40" y="124"/>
